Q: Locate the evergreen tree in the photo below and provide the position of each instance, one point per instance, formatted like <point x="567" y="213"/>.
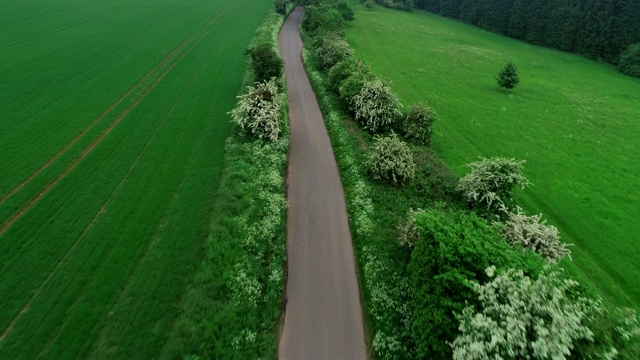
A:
<point x="508" y="77"/>
<point x="630" y="61"/>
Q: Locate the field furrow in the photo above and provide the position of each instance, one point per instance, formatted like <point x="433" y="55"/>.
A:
<point x="172" y="62"/>
<point x="104" y="223"/>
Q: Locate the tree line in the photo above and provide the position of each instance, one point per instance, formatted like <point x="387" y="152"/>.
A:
<point x="598" y="29"/>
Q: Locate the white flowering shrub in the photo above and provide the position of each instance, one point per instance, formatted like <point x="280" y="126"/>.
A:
<point x="521" y="318"/>
<point x="375" y="106"/>
<point x="531" y="232"/>
<point x="408" y="234"/>
<point x="391" y="160"/>
<point x="258" y="111"/>
<point x="418" y="124"/>
<point x="491" y="181"/>
<point x="332" y="50"/>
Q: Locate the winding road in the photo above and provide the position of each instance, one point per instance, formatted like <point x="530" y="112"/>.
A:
<point x="323" y="316"/>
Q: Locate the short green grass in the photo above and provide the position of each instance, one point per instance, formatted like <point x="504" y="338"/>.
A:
<point x="572" y="119"/>
<point x="98" y="265"/>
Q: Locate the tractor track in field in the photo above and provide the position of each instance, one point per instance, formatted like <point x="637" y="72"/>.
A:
<point x="108" y="130"/>
<point x="166" y="59"/>
<point x="70" y="26"/>
<point x="71" y="250"/>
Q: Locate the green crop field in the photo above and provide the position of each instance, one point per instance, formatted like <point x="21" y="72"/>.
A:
<point x="112" y="128"/>
<point x="575" y="122"/>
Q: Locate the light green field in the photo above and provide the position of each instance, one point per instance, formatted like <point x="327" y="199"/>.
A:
<point x="112" y="128"/>
<point x="575" y="121"/>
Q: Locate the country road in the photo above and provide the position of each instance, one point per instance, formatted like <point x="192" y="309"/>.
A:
<point x="323" y="316"/>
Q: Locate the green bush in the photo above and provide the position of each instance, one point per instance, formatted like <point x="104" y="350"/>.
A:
<point x="376" y="106"/>
<point x="351" y="86"/>
<point x="265" y="62"/>
<point x="454" y="249"/>
<point x="391" y="160"/>
<point x="418" y="124"/>
<point x="629" y="62"/>
<point x="369" y="5"/>
<point x="614" y="332"/>
<point x="281" y="6"/>
<point x="345" y="10"/>
<point x="340" y="72"/>
<point x="323" y="19"/>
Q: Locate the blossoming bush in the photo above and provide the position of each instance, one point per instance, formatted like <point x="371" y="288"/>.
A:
<point x="531" y="232"/>
<point x="391" y="160"/>
<point x="522" y="318"/>
<point x="375" y="106"/>
<point x="331" y="50"/>
<point x="491" y="181"/>
<point x="454" y="250"/>
<point x="408" y="234"/>
<point x="258" y="111"/>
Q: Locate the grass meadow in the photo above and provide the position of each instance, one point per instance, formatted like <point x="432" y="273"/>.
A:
<point x="112" y="129"/>
<point x="573" y="120"/>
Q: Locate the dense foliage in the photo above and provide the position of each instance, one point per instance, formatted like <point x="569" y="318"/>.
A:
<point x="531" y="232"/>
<point x="331" y="50"/>
<point x="630" y="61"/>
<point x="391" y="160"/>
<point x="418" y="124"/>
<point x="265" y="62"/>
<point x="597" y="29"/>
<point x="376" y="106"/>
<point x="523" y="318"/>
<point x="455" y="248"/>
<point x="323" y="18"/>
<point x="343" y="70"/>
<point x="490" y="183"/>
<point x="508" y="77"/>
<point x="258" y="111"/>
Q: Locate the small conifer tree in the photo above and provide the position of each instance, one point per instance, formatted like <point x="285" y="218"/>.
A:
<point x="508" y="77"/>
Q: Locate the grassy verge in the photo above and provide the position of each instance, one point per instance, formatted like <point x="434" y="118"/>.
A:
<point x="232" y="308"/>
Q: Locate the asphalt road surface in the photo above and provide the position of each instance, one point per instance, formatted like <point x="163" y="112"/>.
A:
<point x="323" y="317"/>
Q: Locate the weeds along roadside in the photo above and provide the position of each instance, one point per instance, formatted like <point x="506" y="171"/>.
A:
<point x="383" y="281"/>
<point x="232" y="308"/>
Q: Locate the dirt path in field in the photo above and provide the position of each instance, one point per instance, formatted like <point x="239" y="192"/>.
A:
<point x="323" y="318"/>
